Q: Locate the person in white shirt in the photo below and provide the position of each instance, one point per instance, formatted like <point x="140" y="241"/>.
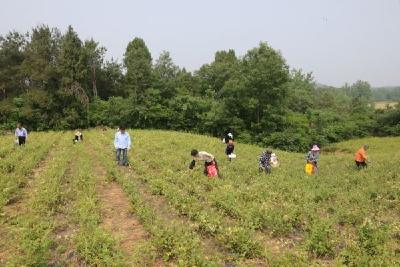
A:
<point x="122" y="143"/>
<point x="21" y="134"/>
<point x="209" y="160"/>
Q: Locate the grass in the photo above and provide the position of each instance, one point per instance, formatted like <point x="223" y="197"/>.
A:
<point x="342" y="216"/>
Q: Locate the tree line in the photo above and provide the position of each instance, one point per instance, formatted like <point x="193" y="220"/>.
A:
<point x="54" y="80"/>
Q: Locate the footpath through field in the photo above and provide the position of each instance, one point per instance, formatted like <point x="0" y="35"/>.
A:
<point x="116" y="212"/>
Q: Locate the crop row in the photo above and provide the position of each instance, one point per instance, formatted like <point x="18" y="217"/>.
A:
<point x="18" y="162"/>
<point x="234" y="238"/>
<point x="95" y="246"/>
<point x="174" y="241"/>
<point x="43" y="201"/>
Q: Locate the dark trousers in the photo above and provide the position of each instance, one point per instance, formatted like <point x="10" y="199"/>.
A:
<point x="21" y="140"/>
<point x="122" y="156"/>
<point x="266" y="167"/>
<point x="361" y="164"/>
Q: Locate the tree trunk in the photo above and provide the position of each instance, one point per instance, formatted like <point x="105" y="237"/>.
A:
<point x="94" y="80"/>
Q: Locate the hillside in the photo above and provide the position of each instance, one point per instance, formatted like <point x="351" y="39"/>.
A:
<point x="71" y="204"/>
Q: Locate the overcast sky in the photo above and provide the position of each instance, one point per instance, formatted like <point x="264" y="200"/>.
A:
<point x="338" y="40"/>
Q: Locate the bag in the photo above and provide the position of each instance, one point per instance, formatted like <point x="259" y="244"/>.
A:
<point x="212" y="170"/>
<point x="309" y="168"/>
<point x="232" y="156"/>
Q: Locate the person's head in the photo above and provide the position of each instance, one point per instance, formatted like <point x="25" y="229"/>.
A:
<point x="122" y="129"/>
<point x="230" y="141"/>
<point x="365" y="147"/>
<point x="269" y="151"/>
<point x="315" y="149"/>
<point x="19" y="125"/>
<point x="194" y="152"/>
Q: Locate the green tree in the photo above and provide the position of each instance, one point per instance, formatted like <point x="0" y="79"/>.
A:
<point x="137" y="61"/>
<point x="213" y="76"/>
<point x="93" y="57"/>
<point x="41" y="59"/>
<point x="165" y="74"/>
<point x="72" y="65"/>
<point x="12" y="55"/>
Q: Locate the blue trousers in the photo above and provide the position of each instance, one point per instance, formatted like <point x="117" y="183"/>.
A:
<point x="122" y="156"/>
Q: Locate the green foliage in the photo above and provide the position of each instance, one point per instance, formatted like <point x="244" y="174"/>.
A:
<point x="50" y="80"/>
<point x="137" y="61"/>
<point x="320" y="243"/>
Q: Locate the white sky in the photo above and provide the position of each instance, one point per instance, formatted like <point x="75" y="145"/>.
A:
<point x="338" y="40"/>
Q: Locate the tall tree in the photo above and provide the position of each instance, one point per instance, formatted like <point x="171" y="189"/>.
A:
<point x="213" y="76"/>
<point x="41" y="58"/>
<point x="93" y="57"/>
<point x="137" y="61"/>
<point x="165" y="72"/>
<point x="11" y="56"/>
<point x="72" y="64"/>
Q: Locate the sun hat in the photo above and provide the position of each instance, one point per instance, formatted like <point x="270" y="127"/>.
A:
<point x="315" y="148"/>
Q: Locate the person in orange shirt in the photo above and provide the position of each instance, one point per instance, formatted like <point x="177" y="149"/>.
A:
<point x="361" y="157"/>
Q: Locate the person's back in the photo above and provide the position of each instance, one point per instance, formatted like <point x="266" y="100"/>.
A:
<point x="361" y="157"/>
<point x="264" y="161"/>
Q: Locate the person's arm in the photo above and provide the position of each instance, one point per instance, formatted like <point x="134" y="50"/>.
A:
<point x="26" y="134"/>
<point x="364" y="155"/>
<point x="192" y="164"/>
<point x="129" y="141"/>
<point x="308" y="156"/>
<point x="16" y="133"/>
<point x="116" y="140"/>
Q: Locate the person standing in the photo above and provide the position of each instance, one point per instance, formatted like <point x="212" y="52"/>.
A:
<point x="21" y="134"/>
<point x="230" y="147"/>
<point x="122" y="143"/>
<point x="312" y="157"/>
<point x="361" y="157"/>
<point x="264" y="162"/>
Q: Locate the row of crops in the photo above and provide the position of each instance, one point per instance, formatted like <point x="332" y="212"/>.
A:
<point x="51" y="213"/>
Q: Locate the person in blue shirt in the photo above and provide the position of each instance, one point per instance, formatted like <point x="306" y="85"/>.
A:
<point x="122" y="143"/>
<point x="21" y="134"/>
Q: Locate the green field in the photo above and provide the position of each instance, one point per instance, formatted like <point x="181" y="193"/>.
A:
<point x="71" y="205"/>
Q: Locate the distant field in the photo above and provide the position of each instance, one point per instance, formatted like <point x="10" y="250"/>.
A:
<point x="71" y="205"/>
<point x="384" y="104"/>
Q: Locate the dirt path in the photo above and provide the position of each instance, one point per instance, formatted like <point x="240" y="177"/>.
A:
<point x="117" y="214"/>
<point x="116" y="211"/>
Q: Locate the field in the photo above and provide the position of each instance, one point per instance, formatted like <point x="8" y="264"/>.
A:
<point x="385" y="104"/>
<point x="71" y="205"/>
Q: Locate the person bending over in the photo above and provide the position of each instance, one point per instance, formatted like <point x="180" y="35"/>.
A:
<point x="210" y="163"/>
